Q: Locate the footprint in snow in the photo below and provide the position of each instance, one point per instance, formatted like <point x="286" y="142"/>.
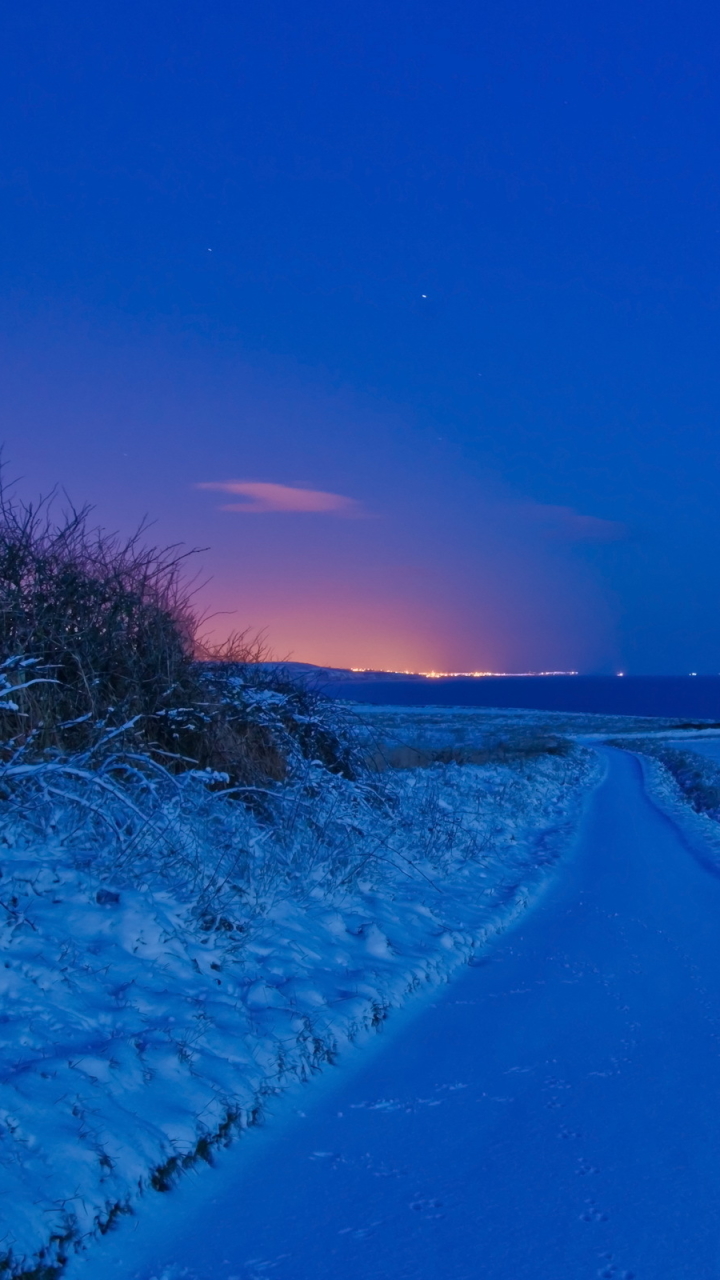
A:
<point x="592" y="1213"/>
<point x="428" y="1208"/>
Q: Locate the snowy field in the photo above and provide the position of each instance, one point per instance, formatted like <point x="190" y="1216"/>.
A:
<point x="550" y="1114"/>
<point x="172" y="958"/>
<point x="473" y="727"/>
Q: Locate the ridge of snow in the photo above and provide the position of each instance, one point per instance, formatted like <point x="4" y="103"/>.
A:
<point x="699" y="828"/>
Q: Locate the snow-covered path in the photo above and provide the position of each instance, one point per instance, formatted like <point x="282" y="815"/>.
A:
<point x="554" y="1114"/>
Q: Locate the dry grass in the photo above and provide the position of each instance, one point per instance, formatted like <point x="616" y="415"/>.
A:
<point x="105" y="623"/>
<point x="101" y="642"/>
<point x="511" y="748"/>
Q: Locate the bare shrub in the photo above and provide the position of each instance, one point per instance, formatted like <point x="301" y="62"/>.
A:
<point x="107" y="621"/>
<point x="100" y="639"/>
<point x="239" y="648"/>
<point x="298" y="722"/>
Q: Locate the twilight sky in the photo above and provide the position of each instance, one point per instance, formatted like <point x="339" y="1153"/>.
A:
<point x="407" y="312"/>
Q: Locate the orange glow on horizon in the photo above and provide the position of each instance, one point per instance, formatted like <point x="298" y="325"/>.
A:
<point x="474" y="675"/>
<point x="363" y="629"/>
<point x="347" y="633"/>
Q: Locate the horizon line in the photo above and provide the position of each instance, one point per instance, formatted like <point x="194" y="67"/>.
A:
<point x="441" y="675"/>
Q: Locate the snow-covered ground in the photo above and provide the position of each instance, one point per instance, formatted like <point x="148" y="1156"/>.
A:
<point x="707" y="746"/>
<point x="172" y="958"/>
<point x="439" y="727"/>
<point x="682" y="774"/>
<point x="550" y="1115"/>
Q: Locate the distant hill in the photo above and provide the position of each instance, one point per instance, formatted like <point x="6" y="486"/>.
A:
<point x="343" y="675"/>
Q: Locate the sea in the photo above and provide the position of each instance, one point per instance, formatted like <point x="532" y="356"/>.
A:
<point x="687" y="697"/>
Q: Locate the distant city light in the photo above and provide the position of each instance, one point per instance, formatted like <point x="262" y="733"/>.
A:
<point x="468" y="675"/>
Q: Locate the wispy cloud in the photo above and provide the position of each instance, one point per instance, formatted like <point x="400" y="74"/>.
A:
<point x="261" y="498"/>
<point x="566" y="523"/>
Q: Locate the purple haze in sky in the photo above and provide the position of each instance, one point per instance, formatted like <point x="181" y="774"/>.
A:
<point x="407" y="313"/>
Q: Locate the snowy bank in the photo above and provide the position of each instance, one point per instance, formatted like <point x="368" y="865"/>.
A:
<point x="172" y="957"/>
<point x="683" y="778"/>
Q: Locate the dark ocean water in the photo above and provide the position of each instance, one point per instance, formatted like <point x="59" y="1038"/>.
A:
<point x="689" y="697"/>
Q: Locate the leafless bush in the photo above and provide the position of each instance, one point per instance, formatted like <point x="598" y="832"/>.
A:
<point x="107" y="631"/>
<point x="107" y="621"/>
<point x="239" y="648"/>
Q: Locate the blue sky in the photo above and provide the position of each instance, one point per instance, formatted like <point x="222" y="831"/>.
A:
<point x="454" y="264"/>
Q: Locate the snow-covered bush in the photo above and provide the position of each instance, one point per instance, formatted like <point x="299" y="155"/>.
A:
<point x="108" y="619"/>
<point x="115" y="646"/>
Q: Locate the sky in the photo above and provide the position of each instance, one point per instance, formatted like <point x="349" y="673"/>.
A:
<point x="406" y="315"/>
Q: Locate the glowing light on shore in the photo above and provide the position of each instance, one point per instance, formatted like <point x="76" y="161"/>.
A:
<point x="466" y="675"/>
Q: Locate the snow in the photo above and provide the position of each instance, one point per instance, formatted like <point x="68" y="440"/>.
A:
<point x="550" y="1115"/>
<point x="709" y="747"/>
<point x="472" y="726"/>
<point x="683" y="777"/>
<point x="172" y="959"/>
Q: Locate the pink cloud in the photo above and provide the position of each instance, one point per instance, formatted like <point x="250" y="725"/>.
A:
<point x="564" y="522"/>
<point x="262" y="498"/>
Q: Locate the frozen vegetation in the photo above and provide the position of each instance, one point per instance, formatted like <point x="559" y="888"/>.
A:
<point x="550" y="1113"/>
<point x="174" y="952"/>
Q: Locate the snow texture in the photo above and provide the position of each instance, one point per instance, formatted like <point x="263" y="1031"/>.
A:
<point x="551" y="1114"/>
<point x="683" y="778"/>
<point x="171" y="957"/>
